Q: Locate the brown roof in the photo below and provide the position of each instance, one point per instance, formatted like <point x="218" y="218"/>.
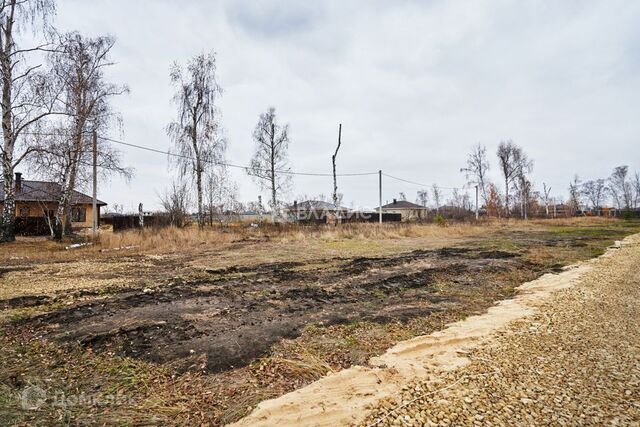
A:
<point x="43" y="191"/>
<point x="402" y="204"/>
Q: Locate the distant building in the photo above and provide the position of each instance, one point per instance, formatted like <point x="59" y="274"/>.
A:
<point x="409" y="211"/>
<point x="37" y="202"/>
<point x="315" y="211"/>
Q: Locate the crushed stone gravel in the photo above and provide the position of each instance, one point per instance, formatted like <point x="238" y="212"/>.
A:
<point x="575" y="362"/>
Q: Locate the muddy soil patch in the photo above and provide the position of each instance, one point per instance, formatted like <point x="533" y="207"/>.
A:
<point x="236" y="316"/>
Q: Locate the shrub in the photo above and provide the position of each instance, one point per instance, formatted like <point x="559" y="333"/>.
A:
<point x="440" y="220"/>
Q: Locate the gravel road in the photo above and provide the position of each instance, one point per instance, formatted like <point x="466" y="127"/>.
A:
<point x="575" y="362"/>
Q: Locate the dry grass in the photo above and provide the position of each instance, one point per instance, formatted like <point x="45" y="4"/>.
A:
<point x="173" y="239"/>
<point x="164" y="239"/>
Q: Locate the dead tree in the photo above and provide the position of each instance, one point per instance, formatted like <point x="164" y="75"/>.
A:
<point x="26" y="97"/>
<point x="196" y="134"/>
<point x="269" y="164"/>
<point x="333" y="161"/>
<point x="514" y="163"/>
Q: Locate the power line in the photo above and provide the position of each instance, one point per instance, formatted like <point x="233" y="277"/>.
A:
<point x="231" y="165"/>
<point x="248" y="169"/>
<point x="168" y="153"/>
<point x="419" y="184"/>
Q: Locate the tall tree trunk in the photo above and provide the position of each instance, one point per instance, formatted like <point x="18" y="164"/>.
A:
<point x="194" y="142"/>
<point x="61" y="209"/>
<point x="7" y="232"/>
<point x="7" y="229"/>
<point x="199" y="189"/>
<point x="274" y="199"/>
<point x="506" y="197"/>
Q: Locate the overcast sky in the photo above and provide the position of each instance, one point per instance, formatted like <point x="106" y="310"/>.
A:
<point x="415" y="84"/>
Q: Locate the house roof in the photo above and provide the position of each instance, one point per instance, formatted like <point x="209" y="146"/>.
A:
<point x="318" y="205"/>
<point x="43" y="191"/>
<point x="402" y="204"/>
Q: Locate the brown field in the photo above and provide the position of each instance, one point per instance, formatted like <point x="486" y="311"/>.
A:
<point x="186" y="327"/>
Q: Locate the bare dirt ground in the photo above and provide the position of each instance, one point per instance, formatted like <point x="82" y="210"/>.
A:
<point x="202" y="334"/>
<point x="576" y="362"/>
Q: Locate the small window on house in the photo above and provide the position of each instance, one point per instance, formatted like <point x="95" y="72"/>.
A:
<point x="78" y="214"/>
<point x="24" y="211"/>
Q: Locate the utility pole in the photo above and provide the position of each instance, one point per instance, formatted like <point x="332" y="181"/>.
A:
<point x="380" y="196"/>
<point x="477" y="208"/>
<point x="95" y="182"/>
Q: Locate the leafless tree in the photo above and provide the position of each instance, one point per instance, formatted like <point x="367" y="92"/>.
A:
<point x="514" y="164"/>
<point x="525" y="190"/>
<point x="197" y="134"/>
<point x="85" y="98"/>
<point x="423" y="198"/>
<point x="402" y="196"/>
<point x="269" y="164"/>
<point x="437" y="195"/>
<point x="546" y="191"/>
<point x="26" y="97"/>
<point x="175" y="202"/>
<point x="620" y="187"/>
<point x="221" y="193"/>
<point x="477" y="168"/>
<point x="636" y="189"/>
<point x="575" y="195"/>
<point x="595" y="191"/>
<point x="49" y="219"/>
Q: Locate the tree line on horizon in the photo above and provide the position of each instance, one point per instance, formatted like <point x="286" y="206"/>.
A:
<point x="518" y="194"/>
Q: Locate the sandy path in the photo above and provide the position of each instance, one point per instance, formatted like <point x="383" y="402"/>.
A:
<point x="347" y="397"/>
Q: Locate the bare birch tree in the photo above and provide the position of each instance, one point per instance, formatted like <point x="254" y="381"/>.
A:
<point x="269" y="164"/>
<point x="595" y="192"/>
<point x="197" y="134"/>
<point x="636" y="189"/>
<point x="514" y="163"/>
<point x="25" y="97"/>
<point x="546" y="191"/>
<point x="477" y="169"/>
<point x="85" y="98"/>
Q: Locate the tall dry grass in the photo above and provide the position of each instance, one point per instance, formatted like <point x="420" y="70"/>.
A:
<point x="171" y="238"/>
<point x="164" y="239"/>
